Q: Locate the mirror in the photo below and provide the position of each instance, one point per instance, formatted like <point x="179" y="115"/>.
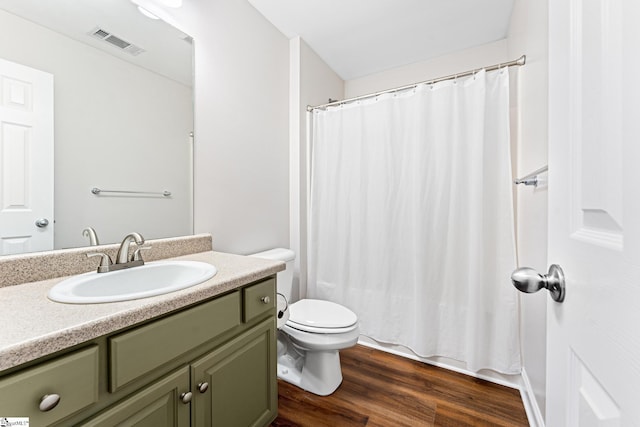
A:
<point x="122" y="118"/>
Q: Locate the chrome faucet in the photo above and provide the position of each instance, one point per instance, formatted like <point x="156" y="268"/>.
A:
<point x="123" y="259"/>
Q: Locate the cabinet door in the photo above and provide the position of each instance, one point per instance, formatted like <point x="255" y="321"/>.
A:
<point x="158" y="405"/>
<point x="242" y="385"/>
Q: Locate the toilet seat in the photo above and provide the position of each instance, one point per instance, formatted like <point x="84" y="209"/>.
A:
<point x="313" y="330"/>
<point x="324" y="317"/>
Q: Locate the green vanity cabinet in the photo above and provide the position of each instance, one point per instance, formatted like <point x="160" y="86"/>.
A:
<point x="153" y="373"/>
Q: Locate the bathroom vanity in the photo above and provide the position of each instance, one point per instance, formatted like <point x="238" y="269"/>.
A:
<point x="203" y="356"/>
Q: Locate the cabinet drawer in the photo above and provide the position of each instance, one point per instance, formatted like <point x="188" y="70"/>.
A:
<point x="73" y="377"/>
<point x="259" y="299"/>
<point x="135" y="353"/>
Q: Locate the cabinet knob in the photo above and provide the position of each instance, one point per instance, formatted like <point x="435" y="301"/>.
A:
<point x="48" y="402"/>
<point x="265" y="300"/>
<point x="203" y="387"/>
<point x="186" y="397"/>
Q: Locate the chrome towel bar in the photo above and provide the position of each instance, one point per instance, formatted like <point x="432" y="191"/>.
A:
<point x="532" y="178"/>
<point x="97" y="191"/>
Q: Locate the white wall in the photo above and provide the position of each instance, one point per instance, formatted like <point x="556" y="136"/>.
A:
<point x="117" y="126"/>
<point x="241" y="125"/>
<point x="313" y="82"/>
<point x="528" y="35"/>
<point x="464" y="60"/>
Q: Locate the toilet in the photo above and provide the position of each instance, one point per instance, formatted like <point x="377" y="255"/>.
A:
<point x="310" y="334"/>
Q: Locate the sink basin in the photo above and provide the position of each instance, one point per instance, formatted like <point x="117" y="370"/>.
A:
<point x="154" y="278"/>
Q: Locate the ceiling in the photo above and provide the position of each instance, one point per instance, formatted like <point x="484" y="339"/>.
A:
<point x="360" y="37"/>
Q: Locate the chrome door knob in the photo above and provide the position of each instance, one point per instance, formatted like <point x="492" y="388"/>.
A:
<point x="265" y="300"/>
<point x="203" y="387"/>
<point x="42" y="222"/>
<point x="528" y="280"/>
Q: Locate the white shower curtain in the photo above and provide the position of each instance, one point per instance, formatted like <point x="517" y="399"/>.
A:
<point x="411" y="219"/>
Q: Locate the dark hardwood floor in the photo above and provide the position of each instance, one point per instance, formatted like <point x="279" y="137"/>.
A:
<point x="381" y="389"/>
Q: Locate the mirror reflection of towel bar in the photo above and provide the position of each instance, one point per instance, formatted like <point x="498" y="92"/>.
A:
<point x="532" y="178"/>
<point x="97" y="191"/>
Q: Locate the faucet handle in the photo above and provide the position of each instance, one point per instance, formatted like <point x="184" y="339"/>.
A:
<point x="105" y="262"/>
<point x="137" y="256"/>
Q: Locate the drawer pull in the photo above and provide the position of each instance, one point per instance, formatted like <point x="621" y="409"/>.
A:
<point x="48" y="402"/>
<point x="203" y="387"/>
<point x="265" y="300"/>
<point x="186" y="397"/>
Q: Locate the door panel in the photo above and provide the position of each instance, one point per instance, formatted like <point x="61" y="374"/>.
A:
<point x="26" y="158"/>
<point x="593" y="344"/>
<point x="596" y="105"/>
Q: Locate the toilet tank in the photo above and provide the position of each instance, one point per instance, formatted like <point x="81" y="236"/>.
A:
<point x="285" y="278"/>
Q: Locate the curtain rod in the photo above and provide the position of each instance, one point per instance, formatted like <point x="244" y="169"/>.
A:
<point x="518" y="62"/>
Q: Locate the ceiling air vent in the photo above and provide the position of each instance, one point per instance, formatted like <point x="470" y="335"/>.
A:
<point x="116" y="41"/>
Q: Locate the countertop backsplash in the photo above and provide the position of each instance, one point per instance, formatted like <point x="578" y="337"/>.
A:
<point x="33" y="267"/>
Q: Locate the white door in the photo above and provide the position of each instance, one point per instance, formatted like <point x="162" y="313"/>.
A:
<point x="593" y="338"/>
<point x="26" y="159"/>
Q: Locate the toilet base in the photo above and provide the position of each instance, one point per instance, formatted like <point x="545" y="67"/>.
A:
<point x="317" y="372"/>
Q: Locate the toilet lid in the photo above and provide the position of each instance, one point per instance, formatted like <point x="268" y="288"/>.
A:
<point x="320" y="314"/>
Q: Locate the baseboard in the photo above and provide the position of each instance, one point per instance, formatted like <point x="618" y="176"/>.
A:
<point x="519" y="382"/>
<point x="530" y="403"/>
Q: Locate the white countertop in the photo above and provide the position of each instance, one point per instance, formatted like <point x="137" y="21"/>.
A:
<point x="34" y="326"/>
